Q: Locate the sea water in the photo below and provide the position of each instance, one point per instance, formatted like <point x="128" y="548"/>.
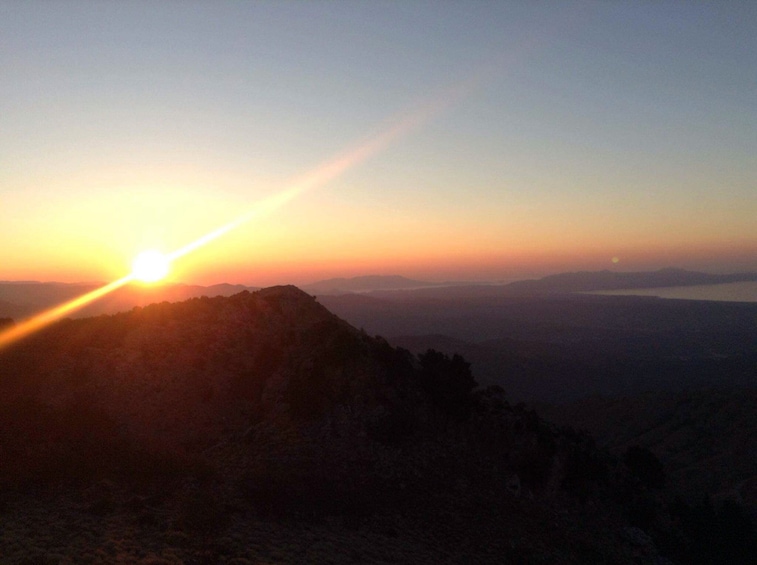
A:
<point x="729" y="292"/>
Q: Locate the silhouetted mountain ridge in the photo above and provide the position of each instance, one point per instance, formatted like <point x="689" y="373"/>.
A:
<point x="266" y="406"/>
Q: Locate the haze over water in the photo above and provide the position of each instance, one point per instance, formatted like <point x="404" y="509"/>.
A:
<point x="730" y="292"/>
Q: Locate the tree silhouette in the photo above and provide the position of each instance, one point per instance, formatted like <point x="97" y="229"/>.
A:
<point x="448" y="382"/>
<point x="645" y="466"/>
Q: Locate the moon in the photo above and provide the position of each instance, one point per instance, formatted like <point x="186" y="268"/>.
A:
<point x="150" y="266"/>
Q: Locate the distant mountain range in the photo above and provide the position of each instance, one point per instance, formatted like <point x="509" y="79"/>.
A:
<point x="364" y="284"/>
<point x="22" y="299"/>
<point x="587" y="281"/>
<point x="581" y="281"/>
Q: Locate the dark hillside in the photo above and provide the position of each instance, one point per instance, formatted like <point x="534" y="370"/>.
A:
<point x="204" y="362"/>
<point x="706" y="439"/>
<point x="559" y="348"/>
<point x="263" y="428"/>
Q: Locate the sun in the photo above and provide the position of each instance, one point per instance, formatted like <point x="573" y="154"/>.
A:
<point x="150" y="266"/>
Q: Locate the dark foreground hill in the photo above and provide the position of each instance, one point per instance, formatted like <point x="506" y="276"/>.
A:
<point x="707" y="439"/>
<point x="261" y="428"/>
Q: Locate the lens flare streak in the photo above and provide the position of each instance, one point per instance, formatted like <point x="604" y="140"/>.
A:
<point x="316" y="178"/>
<point x="36" y="323"/>
<point x="337" y="166"/>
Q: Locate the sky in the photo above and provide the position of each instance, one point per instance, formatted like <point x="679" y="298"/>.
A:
<point x="460" y="140"/>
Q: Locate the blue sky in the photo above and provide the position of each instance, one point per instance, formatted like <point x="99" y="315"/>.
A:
<point x="595" y="130"/>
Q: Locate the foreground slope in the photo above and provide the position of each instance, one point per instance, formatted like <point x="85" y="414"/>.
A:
<point x="261" y="428"/>
<point x="707" y="438"/>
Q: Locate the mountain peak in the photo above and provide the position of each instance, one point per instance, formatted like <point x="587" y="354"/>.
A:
<point x="289" y="292"/>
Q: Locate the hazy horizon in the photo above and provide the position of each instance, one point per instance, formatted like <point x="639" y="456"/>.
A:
<point x="716" y="290"/>
<point x="293" y="142"/>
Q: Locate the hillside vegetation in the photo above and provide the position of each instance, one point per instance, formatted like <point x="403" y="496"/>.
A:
<point x="261" y="428"/>
<point x="707" y="439"/>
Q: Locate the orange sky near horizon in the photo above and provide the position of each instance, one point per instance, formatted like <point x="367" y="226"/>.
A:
<point x="292" y="246"/>
<point x="596" y="132"/>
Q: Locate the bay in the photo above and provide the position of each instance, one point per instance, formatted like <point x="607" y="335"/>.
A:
<point x="729" y="292"/>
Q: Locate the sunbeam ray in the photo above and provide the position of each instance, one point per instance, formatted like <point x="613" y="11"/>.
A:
<point x="321" y="175"/>
<point x="36" y="323"/>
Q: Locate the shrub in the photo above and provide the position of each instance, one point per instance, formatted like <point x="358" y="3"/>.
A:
<point x="448" y="382"/>
<point x="645" y="466"/>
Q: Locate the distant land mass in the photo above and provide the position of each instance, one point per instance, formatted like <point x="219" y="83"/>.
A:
<point x="581" y="281"/>
<point x="22" y="299"/>
<point x="587" y="281"/>
<point x="364" y="284"/>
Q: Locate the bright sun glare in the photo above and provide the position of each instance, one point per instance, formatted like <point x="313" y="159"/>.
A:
<point x="150" y="266"/>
